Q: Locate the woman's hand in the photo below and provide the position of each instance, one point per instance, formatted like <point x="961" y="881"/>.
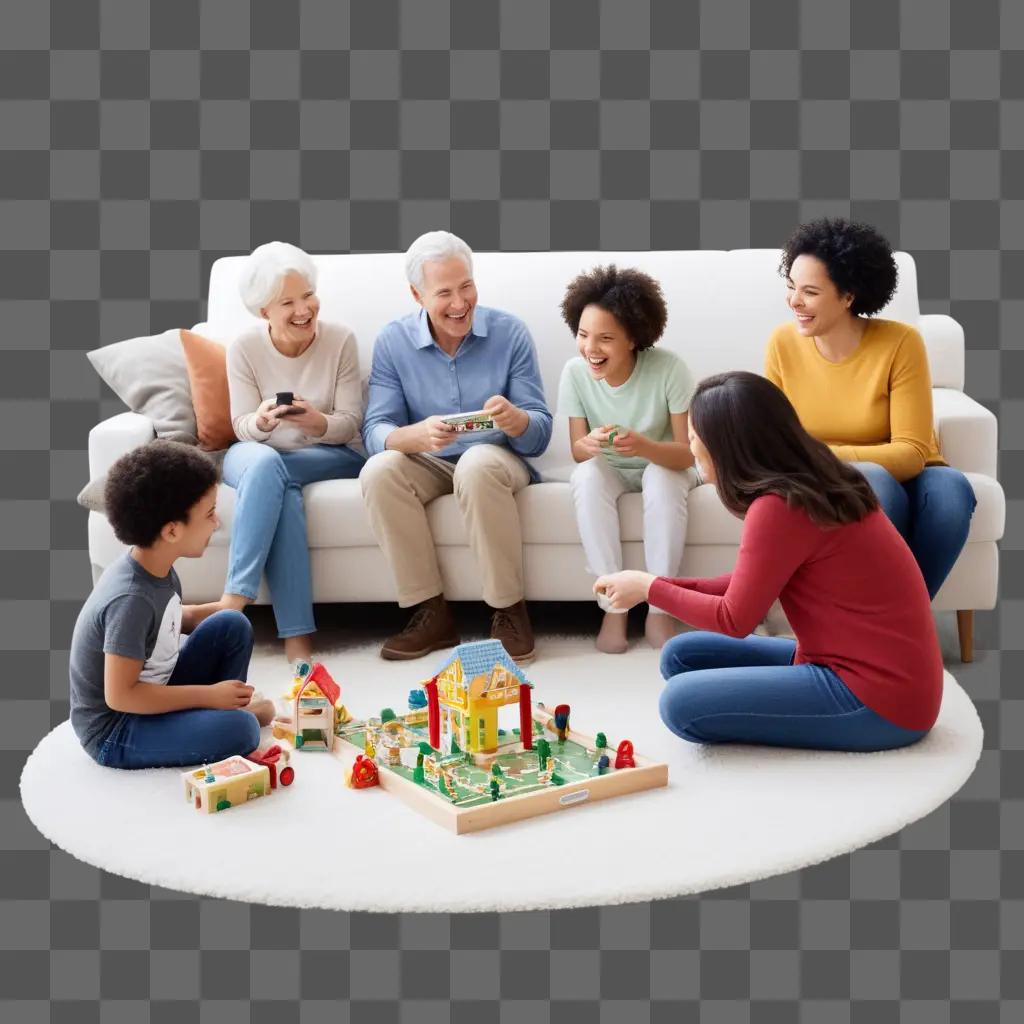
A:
<point x="266" y="420"/>
<point x="306" y="417"/>
<point x="624" y="589"/>
<point x="631" y="442"/>
<point x="590" y="444"/>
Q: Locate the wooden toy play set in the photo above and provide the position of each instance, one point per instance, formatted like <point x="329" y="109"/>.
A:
<point x="237" y="780"/>
<point x="447" y="758"/>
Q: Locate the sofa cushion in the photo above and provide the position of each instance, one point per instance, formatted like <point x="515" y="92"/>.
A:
<point x="150" y="377"/>
<point x="206" y="362"/>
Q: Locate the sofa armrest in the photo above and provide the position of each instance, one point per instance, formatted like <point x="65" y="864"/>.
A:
<point x="111" y="438"/>
<point x="967" y="432"/>
<point x="944" y="341"/>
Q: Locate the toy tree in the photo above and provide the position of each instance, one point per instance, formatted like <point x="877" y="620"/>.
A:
<point x="496" y="770"/>
<point x="562" y="721"/>
<point x="456" y="749"/>
<point x="495" y="789"/>
<point x="417" y="772"/>
<point x="543" y="752"/>
<point x="387" y="715"/>
<point x="417" y="700"/>
<point x="600" y="741"/>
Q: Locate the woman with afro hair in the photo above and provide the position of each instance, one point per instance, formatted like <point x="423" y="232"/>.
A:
<point x="862" y="385"/>
<point x="627" y="404"/>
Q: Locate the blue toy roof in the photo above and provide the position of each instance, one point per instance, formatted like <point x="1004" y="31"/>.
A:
<point x="480" y="657"/>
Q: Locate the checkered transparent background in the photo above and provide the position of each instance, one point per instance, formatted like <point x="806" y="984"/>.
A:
<point x="139" y="143"/>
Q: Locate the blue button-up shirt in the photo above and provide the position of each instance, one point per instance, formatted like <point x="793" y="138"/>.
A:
<point x="412" y="378"/>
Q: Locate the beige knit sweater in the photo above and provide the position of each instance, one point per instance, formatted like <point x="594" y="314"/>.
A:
<point x="326" y="375"/>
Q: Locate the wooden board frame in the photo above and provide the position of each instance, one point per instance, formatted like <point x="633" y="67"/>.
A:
<point x="647" y="774"/>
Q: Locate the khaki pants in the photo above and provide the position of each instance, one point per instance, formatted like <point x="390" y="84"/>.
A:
<point x="485" y="481"/>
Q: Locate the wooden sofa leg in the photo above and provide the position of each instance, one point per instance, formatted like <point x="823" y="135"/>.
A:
<point x="965" y="629"/>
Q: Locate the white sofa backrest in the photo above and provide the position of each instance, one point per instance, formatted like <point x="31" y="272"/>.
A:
<point x="722" y="305"/>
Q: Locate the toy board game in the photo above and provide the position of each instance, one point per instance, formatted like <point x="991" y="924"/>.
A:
<point x="447" y="758"/>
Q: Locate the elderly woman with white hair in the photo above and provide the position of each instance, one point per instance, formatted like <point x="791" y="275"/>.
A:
<point x="296" y="404"/>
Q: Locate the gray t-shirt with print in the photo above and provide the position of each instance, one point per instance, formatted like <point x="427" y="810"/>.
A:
<point x="131" y="613"/>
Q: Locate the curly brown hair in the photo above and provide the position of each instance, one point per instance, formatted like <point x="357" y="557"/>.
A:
<point x="858" y="259"/>
<point x="153" y="485"/>
<point x="758" y="446"/>
<point x="631" y="296"/>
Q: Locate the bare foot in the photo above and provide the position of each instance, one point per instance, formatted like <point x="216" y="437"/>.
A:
<point x="264" y="711"/>
<point x="612" y="637"/>
<point x="298" y="648"/>
<point x="659" y="629"/>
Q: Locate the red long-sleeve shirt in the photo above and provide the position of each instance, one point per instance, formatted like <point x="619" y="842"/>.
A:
<point x="853" y="594"/>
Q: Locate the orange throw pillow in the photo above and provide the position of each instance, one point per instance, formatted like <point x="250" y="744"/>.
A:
<point x="208" y="376"/>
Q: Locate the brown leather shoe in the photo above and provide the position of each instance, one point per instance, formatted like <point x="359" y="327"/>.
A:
<point x="431" y="628"/>
<point x="512" y="627"/>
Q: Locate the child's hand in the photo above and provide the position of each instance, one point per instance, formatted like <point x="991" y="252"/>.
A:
<point x="228" y="694"/>
<point x="629" y="442"/>
<point x="591" y="444"/>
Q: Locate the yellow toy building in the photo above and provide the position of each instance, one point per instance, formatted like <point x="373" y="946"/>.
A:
<point x="216" y="787"/>
<point x="464" y="697"/>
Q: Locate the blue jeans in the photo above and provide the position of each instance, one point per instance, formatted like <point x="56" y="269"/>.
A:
<point x="932" y="513"/>
<point x="269" y="530"/>
<point x="722" y="690"/>
<point x="218" y="648"/>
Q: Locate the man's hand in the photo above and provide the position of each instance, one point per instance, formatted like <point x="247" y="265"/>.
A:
<point x="508" y="418"/>
<point x="591" y="444"/>
<point x="228" y="694"/>
<point x="429" y="435"/>
<point x="624" y="589"/>
<point x="630" y="442"/>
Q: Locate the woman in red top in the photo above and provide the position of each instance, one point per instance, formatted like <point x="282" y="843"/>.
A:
<point x="865" y="670"/>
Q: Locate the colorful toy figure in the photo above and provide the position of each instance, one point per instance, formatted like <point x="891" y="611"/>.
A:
<point x="562" y="721"/>
<point x="364" y="773"/>
<point x="624" y="755"/>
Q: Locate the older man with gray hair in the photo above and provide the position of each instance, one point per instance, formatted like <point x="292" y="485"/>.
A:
<point x="452" y="356"/>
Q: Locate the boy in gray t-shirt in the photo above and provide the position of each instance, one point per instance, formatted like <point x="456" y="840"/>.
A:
<point x="140" y="698"/>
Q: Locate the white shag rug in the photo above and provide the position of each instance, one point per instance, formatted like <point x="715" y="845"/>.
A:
<point x="730" y="814"/>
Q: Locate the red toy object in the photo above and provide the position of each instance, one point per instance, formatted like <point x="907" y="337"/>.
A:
<point x="624" y="755"/>
<point x="364" y="773"/>
<point x="325" y="681"/>
<point x="270" y="758"/>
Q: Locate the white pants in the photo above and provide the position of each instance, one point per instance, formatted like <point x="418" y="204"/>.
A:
<point x="596" y="489"/>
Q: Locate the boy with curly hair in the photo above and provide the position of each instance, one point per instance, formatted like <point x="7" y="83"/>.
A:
<point x="140" y="697"/>
<point x="627" y="404"/>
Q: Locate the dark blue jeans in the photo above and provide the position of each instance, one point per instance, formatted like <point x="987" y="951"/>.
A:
<point x="219" y="648"/>
<point x="932" y="513"/>
<point x="722" y="690"/>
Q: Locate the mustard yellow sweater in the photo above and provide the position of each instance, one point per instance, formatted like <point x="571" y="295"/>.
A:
<point x="873" y="406"/>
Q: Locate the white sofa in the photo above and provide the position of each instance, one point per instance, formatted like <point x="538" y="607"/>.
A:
<point x="722" y="306"/>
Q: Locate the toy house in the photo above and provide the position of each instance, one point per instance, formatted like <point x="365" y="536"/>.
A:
<point x="315" y="708"/>
<point x="464" y="697"/>
<point x="235" y="780"/>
